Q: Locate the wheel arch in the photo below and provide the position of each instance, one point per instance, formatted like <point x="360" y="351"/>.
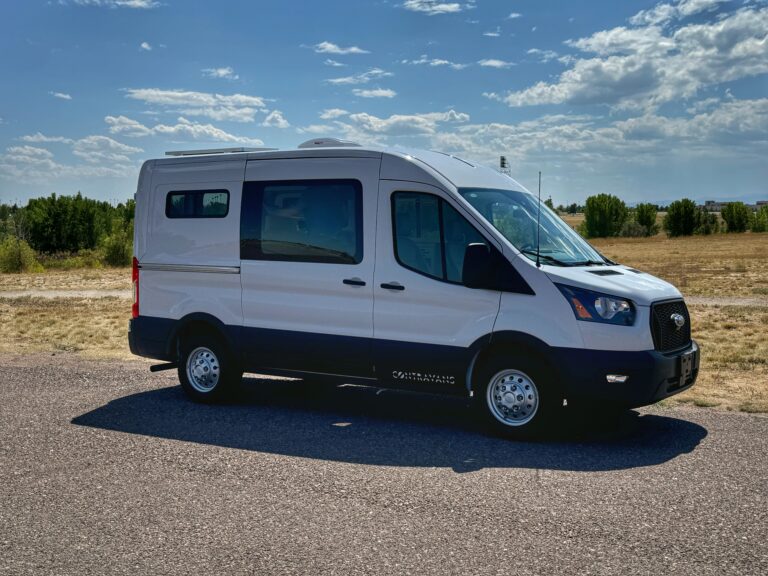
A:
<point x="202" y="323"/>
<point x="510" y="342"/>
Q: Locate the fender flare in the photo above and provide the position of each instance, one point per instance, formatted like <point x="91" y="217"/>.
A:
<point x="230" y="334"/>
<point x="508" y="340"/>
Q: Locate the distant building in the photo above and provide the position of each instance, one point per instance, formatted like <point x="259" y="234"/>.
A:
<point x="717" y="206"/>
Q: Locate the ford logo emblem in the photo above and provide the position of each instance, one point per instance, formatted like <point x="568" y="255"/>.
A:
<point x="678" y="319"/>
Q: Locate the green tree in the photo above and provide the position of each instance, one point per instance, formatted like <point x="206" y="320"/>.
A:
<point x="706" y="222"/>
<point x="760" y="220"/>
<point x="548" y="202"/>
<point x="645" y="215"/>
<point x="737" y="216"/>
<point x="681" y="218"/>
<point x="604" y="215"/>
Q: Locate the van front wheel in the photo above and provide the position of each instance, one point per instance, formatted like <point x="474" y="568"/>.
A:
<point x="515" y="398"/>
<point x="206" y="371"/>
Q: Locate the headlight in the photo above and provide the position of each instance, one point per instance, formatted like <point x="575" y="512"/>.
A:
<point x="596" y="307"/>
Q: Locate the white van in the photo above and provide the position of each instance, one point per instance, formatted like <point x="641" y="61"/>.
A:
<point x="389" y="268"/>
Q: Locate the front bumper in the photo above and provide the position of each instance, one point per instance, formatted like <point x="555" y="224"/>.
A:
<point x="651" y="375"/>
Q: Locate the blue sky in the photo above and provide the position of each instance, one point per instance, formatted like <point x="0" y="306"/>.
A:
<point x="646" y="100"/>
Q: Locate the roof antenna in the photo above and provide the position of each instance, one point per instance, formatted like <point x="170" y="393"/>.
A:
<point x="538" y="228"/>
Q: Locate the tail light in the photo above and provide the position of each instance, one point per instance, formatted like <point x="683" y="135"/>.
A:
<point x="135" y="280"/>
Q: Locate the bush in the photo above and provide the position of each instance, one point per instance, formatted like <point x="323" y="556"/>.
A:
<point x="706" y="223"/>
<point x="66" y="261"/>
<point x="645" y="215"/>
<point x="604" y="215"/>
<point x="632" y="229"/>
<point x="736" y="216"/>
<point x="760" y="221"/>
<point x="17" y="256"/>
<point x="681" y="218"/>
<point x="117" y="248"/>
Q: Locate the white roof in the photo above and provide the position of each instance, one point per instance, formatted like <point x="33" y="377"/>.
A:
<point x="458" y="172"/>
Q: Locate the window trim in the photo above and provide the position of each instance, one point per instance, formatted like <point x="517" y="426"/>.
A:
<point x="256" y="187"/>
<point x="440" y="202"/>
<point x="196" y="193"/>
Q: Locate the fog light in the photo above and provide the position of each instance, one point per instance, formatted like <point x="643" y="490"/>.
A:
<point x="616" y="378"/>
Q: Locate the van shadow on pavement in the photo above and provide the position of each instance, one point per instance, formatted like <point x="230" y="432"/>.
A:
<point x="389" y="428"/>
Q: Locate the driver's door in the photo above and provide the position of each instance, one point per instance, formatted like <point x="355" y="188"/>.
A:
<point x="425" y="320"/>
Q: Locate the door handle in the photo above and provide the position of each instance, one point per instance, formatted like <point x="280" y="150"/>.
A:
<point x="354" y="281"/>
<point x="393" y="286"/>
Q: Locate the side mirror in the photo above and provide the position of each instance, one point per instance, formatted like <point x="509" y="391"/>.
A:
<point x="478" y="269"/>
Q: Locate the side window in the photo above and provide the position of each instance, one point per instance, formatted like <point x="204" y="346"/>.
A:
<point x="197" y="204"/>
<point x="302" y="221"/>
<point x="430" y="236"/>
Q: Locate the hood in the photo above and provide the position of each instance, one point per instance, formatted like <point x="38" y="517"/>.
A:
<point x="643" y="289"/>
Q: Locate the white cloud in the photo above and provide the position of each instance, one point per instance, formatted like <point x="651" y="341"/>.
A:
<point x="146" y="46"/>
<point x="425" y="60"/>
<point x="233" y="107"/>
<point x="362" y="78"/>
<point x="29" y="154"/>
<point x="493" y="33"/>
<point x="375" y="93"/>
<point x="331" y="48"/>
<point x="225" y="72"/>
<point x="333" y="63"/>
<point x="141" y="4"/>
<point x="275" y="119"/>
<point x="664" y="13"/>
<point x="514" y="16"/>
<point x="405" y="124"/>
<point x="434" y="7"/>
<point x="332" y="113"/>
<point x="495" y="63"/>
<point x="184" y="128"/>
<point x="317" y="129"/>
<point x="649" y="66"/>
<point x="543" y="55"/>
<point x="31" y="164"/>
<point x="61" y="95"/>
<point x="97" y="149"/>
<point x="40" y="138"/>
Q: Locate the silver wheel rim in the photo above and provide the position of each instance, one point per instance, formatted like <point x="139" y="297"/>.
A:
<point x="203" y="369"/>
<point x="512" y="398"/>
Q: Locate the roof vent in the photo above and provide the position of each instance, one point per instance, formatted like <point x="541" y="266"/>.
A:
<point x="328" y="143"/>
<point x="215" y="151"/>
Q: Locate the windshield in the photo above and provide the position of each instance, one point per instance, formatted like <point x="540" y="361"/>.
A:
<point x="514" y="214"/>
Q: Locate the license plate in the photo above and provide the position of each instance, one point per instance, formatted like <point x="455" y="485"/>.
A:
<point x="686" y="367"/>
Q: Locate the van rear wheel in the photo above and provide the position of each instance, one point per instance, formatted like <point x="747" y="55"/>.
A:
<point x="207" y="371"/>
<point x="515" y="398"/>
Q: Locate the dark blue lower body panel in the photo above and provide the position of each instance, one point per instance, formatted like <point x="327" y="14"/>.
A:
<point x="652" y="375"/>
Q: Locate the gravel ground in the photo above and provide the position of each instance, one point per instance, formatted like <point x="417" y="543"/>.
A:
<point x="106" y="468"/>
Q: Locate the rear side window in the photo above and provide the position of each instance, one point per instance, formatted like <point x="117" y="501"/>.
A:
<point x="302" y="221"/>
<point x="197" y="204"/>
<point x="430" y="236"/>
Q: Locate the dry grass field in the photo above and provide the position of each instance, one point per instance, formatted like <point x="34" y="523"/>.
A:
<point x="722" y="265"/>
<point x="716" y="269"/>
<point x="78" y="279"/>
<point x="92" y="326"/>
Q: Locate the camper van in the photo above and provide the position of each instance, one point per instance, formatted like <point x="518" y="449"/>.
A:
<point x="395" y="269"/>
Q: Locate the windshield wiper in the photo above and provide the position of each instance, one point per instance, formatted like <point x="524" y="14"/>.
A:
<point x="546" y="258"/>
<point x="588" y="263"/>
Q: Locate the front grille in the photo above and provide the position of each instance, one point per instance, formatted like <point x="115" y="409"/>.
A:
<point x="666" y="335"/>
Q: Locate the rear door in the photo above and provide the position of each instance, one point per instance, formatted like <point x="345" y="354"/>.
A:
<point x="307" y="254"/>
<point x="425" y="319"/>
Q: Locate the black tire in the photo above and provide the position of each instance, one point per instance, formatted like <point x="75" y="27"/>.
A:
<point x="212" y="358"/>
<point x="536" y="405"/>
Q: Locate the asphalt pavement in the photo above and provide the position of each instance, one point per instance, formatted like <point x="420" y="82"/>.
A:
<point x="106" y="468"/>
